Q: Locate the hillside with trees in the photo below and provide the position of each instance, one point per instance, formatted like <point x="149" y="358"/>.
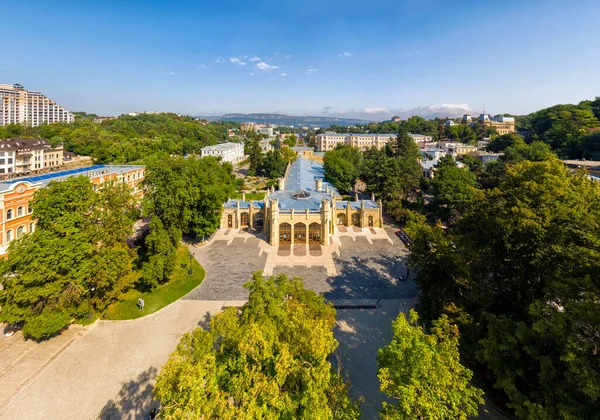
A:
<point x="128" y="138"/>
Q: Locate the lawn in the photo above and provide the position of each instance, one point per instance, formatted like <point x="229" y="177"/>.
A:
<point x="179" y="284"/>
<point x="251" y="196"/>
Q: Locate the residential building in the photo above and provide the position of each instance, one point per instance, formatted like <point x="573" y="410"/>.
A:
<point x="421" y="138"/>
<point x="16" y="195"/>
<point x="502" y="124"/>
<point x="247" y="126"/>
<point x="23" y="156"/>
<point x="486" y="157"/>
<point x="457" y="149"/>
<point x="432" y="153"/>
<point x="305" y="210"/>
<point x="449" y="123"/>
<point x="228" y="152"/>
<point x="21" y="106"/>
<point x="330" y="140"/>
<point x="265" y="145"/>
<point x="396" y="119"/>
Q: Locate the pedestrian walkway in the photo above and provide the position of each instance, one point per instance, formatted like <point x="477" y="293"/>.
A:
<point x="109" y="370"/>
<point x="21" y="360"/>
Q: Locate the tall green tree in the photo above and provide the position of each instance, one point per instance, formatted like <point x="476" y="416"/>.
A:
<point x="187" y="194"/>
<point x="161" y="249"/>
<point x="423" y="374"/>
<point x="454" y="189"/>
<point x="74" y="262"/>
<point x="267" y="360"/>
<point x="255" y="157"/>
<point x="518" y="274"/>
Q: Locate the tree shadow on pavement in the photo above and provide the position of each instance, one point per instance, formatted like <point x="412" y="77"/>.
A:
<point x="134" y="400"/>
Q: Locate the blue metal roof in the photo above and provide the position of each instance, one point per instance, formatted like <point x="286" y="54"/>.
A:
<point x="53" y="175"/>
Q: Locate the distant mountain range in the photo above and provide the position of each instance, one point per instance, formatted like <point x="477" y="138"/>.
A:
<point x="288" y="120"/>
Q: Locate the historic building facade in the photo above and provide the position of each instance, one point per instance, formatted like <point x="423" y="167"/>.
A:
<point x="17" y="193"/>
<point x="304" y="210"/>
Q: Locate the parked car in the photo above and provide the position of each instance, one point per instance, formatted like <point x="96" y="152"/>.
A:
<point x="404" y="238"/>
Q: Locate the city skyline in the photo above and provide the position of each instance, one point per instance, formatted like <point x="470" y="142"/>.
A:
<point x="334" y="59"/>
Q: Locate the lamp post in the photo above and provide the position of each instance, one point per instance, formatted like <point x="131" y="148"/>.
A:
<point x="190" y="256"/>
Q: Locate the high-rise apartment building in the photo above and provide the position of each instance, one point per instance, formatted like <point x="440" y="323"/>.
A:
<point x="21" y="106"/>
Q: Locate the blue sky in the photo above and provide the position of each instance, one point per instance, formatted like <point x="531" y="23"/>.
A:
<point x="368" y="59"/>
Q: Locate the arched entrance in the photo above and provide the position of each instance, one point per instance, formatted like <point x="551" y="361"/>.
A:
<point x="258" y="219"/>
<point x="341" y="219"/>
<point x="299" y="233"/>
<point x="229" y="221"/>
<point x="285" y="233"/>
<point x="356" y="219"/>
<point x="245" y="219"/>
<point x="370" y="221"/>
<point x="314" y="233"/>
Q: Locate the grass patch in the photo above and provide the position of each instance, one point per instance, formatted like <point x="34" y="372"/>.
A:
<point x="251" y="196"/>
<point x="178" y="285"/>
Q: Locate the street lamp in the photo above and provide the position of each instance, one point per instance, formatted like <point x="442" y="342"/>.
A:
<point x="190" y="256"/>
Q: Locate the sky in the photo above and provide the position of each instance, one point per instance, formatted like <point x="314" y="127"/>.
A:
<point x="361" y="59"/>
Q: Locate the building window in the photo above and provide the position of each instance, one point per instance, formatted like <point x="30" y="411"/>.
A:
<point x="9" y="214"/>
<point x="20" y="211"/>
<point x="10" y="161"/>
<point x="20" y="231"/>
<point x="31" y="227"/>
<point x="8" y="236"/>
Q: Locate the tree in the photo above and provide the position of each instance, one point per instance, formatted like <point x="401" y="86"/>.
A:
<point x="340" y="172"/>
<point x="502" y="142"/>
<point x="454" y="188"/>
<point x="255" y="157"/>
<point x="76" y="257"/>
<point x="341" y="166"/>
<point x="274" y="163"/>
<point x="161" y="250"/>
<point x="187" y="194"/>
<point x="267" y="360"/>
<point x="422" y="372"/>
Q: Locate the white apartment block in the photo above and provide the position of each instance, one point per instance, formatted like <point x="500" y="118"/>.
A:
<point x="21" y="106"/>
<point x="228" y="152"/>
<point x="24" y="156"/>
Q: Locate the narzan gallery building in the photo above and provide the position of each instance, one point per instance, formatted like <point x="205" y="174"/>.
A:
<point x="305" y="209"/>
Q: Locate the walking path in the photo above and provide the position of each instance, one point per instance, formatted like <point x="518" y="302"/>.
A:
<point x="110" y="369"/>
<point x="21" y="359"/>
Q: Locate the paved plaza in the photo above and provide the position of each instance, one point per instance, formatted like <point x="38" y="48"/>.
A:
<point x="360" y="264"/>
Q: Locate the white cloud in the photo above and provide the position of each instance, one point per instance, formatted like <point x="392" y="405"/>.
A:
<point x="264" y="66"/>
<point x="219" y="60"/>
<point x="171" y="73"/>
<point x="254" y="59"/>
<point x="202" y="66"/>
<point x="375" y="110"/>
<point x="287" y="56"/>
<point x="283" y="74"/>
<point x="311" y="70"/>
<point x="252" y="74"/>
<point x="346" y="54"/>
<point x="430" y="111"/>
<point x="236" y="60"/>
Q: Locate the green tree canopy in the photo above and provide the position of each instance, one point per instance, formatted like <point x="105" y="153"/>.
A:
<point x="268" y="360"/>
<point x="519" y="274"/>
<point x="77" y="254"/>
<point x="187" y="194"/>
<point x="423" y="374"/>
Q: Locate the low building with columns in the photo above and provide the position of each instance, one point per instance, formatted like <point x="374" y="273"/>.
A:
<point x="304" y="210"/>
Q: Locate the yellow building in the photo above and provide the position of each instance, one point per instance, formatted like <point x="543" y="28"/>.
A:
<point x="305" y="209"/>
<point x="17" y="193"/>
